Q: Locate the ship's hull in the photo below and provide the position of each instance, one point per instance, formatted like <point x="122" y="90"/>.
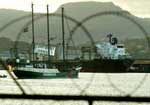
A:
<point x="32" y="74"/>
<point x="106" y="65"/>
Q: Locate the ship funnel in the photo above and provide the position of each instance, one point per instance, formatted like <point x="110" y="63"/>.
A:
<point x="114" y="41"/>
<point x="109" y="36"/>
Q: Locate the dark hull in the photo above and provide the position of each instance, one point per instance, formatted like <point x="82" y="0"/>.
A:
<point x="21" y="74"/>
<point x="106" y="65"/>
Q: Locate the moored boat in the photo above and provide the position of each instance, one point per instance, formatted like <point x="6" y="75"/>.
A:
<point x="112" y="57"/>
<point x="37" y="68"/>
<point x="40" y="70"/>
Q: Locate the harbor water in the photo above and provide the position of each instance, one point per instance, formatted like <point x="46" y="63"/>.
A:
<point x="115" y="84"/>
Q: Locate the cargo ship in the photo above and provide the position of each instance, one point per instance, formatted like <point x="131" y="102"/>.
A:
<point x="111" y="57"/>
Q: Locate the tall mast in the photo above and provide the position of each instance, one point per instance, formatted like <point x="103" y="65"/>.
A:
<point x="33" y="41"/>
<point x="63" y="34"/>
<point x="48" y="38"/>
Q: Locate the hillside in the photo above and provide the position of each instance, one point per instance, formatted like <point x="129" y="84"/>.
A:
<point x="98" y="26"/>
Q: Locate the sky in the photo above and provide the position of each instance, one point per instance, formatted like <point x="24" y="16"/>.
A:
<point x="139" y="8"/>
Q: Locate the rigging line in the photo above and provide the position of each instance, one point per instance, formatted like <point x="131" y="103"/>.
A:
<point x="70" y="33"/>
<point x="45" y="31"/>
<point x="51" y="22"/>
<point x="41" y="31"/>
<point x="52" y="28"/>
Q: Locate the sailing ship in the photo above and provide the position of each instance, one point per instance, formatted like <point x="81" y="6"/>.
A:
<point x="111" y="57"/>
<point x="45" y="69"/>
<point x="40" y="70"/>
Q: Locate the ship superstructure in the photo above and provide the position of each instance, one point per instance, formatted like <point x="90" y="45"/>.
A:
<point x="109" y="51"/>
<point x="111" y="57"/>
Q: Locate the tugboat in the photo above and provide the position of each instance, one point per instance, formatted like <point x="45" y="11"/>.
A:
<point x="26" y="69"/>
<point x="111" y="58"/>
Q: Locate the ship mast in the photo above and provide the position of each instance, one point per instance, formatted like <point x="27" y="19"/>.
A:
<point x="48" y="34"/>
<point x="33" y="41"/>
<point x="63" y="34"/>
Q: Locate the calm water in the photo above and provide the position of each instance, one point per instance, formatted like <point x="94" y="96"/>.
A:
<point x="134" y="84"/>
